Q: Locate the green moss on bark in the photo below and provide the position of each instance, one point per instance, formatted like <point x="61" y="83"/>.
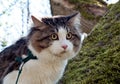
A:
<point x="81" y="5"/>
<point x="99" y="59"/>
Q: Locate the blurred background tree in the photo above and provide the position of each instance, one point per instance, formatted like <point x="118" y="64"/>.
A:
<point x="15" y="18"/>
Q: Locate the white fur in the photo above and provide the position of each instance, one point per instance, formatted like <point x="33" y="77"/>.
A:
<point x="83" y="36"/>
<point x="49" y="67"/>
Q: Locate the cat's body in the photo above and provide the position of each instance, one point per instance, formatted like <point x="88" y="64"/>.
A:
<point x="43" y="71"/>
<point x="53" y="41"/>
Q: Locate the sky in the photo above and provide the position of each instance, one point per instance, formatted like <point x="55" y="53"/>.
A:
<point x="111" y="1"/>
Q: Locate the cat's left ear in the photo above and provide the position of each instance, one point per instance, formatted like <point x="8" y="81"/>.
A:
<point x="74" y="19"/>
<point x="36" y="21"/>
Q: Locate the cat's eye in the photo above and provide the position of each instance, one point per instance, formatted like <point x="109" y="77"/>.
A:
<point x="69" y="35"/>
<point x="54" y="36"/>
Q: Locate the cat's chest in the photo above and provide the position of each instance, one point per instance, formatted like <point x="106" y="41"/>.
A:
<point x="41" y="71"/>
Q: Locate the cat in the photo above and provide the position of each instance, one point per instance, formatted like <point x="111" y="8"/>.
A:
<point x="53" y="40"/>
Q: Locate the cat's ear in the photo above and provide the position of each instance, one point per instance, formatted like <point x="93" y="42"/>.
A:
<point x="36" y="21"/>
<point x="74" y="19"/>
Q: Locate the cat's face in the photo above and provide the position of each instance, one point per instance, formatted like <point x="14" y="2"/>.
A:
<point x="59" y="35"/>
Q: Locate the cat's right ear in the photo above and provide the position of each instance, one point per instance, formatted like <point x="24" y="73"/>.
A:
<point x="36" y="21"/>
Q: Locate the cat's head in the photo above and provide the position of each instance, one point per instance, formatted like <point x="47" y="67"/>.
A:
<point x="59" y="35"/>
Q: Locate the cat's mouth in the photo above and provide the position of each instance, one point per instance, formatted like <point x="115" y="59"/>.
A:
<point x="60" y="54"/>
<point x="63" y="52"/>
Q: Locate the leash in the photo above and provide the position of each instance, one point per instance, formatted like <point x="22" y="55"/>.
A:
<point x="23" y="61"/>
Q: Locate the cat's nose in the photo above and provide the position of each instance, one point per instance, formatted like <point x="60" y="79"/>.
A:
<point x="64" y="46"/>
